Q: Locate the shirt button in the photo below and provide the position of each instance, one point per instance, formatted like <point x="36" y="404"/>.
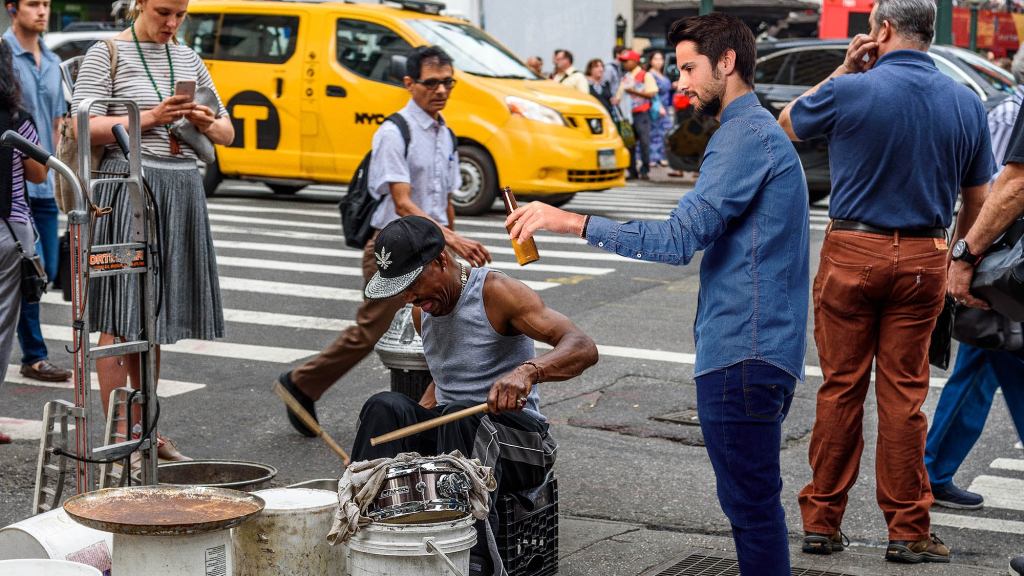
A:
<point x="600" y="244"/>
<point x="639" y="255"/>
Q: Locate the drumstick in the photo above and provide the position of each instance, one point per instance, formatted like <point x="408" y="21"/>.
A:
<point x="428" y="424"/>
<point x="308" y="420"/>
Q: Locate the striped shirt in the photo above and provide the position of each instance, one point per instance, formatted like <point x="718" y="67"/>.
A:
<point x="1000" y="125"/>
<point x="19" y="207"/>
<point x="132" y="82"/>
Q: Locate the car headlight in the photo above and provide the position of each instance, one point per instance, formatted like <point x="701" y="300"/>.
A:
<point x="533" y="111"/>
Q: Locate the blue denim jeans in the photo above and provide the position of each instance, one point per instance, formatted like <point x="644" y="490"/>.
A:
<point x="741" y="412"/>
<point x="964" y="405"/>
<point x="30" y="334"/>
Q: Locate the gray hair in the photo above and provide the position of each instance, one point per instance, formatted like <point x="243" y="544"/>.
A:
<point x="912" y="19"/>
<point x="1017" y="67"/>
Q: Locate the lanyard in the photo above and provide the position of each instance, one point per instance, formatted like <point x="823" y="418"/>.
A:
<point x="170" y="64"/>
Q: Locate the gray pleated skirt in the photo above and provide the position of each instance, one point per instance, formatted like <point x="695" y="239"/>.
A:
<point x="192" y="305"/>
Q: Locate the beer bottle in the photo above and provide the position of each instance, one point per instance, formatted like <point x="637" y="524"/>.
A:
<point x="526" y="252"/>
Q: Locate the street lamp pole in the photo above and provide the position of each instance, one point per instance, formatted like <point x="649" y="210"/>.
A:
<point x="944" y="22"/>
<point x="974" y="27"/>
<point x="708" y="6"/>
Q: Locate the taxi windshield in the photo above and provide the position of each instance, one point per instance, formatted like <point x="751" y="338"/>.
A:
<point x="472" y="49"/>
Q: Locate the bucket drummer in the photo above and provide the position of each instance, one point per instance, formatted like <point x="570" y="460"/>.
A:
<point x="478" y="328"/>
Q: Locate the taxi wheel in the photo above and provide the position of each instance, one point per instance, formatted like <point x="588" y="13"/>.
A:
<point x="212" y="178"/>
<point x="479" y="182"/>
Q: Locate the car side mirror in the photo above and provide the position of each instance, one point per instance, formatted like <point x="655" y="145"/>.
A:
<point x="396" y="68"/>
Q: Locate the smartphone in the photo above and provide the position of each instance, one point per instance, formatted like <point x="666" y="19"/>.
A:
<point x="185" y="88"/>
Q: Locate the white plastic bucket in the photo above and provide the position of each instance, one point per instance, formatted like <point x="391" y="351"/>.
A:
<point x="209" y="553"/>
<point x="44" y="567"/>
<point x="290" y="535"/>
<point x="56" y="536"/>
<point x="403" y="549"/>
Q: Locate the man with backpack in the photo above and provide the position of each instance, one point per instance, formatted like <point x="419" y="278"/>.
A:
<point x="38" y="71"/>
<point x="413" y="170"/>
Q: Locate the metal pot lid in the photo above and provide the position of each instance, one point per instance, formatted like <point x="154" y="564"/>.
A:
<point x="163" y="510"/>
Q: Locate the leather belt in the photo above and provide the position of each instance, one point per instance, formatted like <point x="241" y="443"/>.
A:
<point x="855" y="226"/>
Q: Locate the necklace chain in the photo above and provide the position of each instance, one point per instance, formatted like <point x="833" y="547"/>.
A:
<point x="463" y="275"/>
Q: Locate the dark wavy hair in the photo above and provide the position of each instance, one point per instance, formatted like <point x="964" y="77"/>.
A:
<point x="716" y="33"/>
<point x="10" y="91"/>
<point x="435" y="55"/>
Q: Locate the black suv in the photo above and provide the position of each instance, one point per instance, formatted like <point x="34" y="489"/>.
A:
<point x="788" y="68"/>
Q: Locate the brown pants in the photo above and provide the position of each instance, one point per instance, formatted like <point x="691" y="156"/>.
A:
<point x="354" y="343"/>
<point x="876" y="298"/>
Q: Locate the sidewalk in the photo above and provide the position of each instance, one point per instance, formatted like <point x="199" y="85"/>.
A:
<point x="624" y="549"/>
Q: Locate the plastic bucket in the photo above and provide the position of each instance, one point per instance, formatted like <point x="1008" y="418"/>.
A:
<point x="290" y="535"/>
<point x="41" y="567"/>
<point x="54" y="535"/>
<point x="184" y="555"/>
<point x="412" y="549"/>
<point x="234" y="474"/>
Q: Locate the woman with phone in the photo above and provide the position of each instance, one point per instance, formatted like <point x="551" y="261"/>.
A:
<point x="160" y="75"/>
<point x="17" y="237"/>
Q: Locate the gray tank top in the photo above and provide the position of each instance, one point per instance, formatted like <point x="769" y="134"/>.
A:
<point x="466" y="355"/>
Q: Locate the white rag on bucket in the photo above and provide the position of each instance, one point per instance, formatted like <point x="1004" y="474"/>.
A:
<point x="362" y="481"/>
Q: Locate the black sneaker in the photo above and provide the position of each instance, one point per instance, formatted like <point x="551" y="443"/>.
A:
<point x="1017" y="566"/>
<point x="824" y="544"/>
<point x="948" y="495"/>
<point x="928" y="550"/>
<point x="309" y="404"/>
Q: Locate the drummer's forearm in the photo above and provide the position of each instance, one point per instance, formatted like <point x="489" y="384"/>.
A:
<point x="572" y="354"/>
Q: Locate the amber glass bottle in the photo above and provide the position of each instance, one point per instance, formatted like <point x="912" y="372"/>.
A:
<point x="526" y="252"/>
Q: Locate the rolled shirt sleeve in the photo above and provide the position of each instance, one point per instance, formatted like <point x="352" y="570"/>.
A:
<point x="815" y="114"/>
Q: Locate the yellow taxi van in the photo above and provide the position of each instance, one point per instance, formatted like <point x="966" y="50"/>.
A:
<point x="308" y="83"/>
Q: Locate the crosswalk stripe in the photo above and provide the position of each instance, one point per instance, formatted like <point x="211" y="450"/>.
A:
<point x="542" y="239"/>
<point x="977" y="523"/>
<point x="166" y="388"/>
<point x="206" y="348"/>
<point x="271" y="222"/>
<point x="1000" y="492"/>
<point x="334" y="225"/>
<point x="1015" y="464"/>
<point x="290" y="289"/>
<point x="255" y="317"/>
<point x="349" y="253"/>
<point x="19" y="429"/>
<point x="258" y="263"/>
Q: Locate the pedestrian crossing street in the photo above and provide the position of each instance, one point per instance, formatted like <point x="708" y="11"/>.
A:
<point x="1003" y="489"/>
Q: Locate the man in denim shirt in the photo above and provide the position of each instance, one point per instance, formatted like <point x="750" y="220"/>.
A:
<point x="748" y="212"/>
<point x="882" y="279"/>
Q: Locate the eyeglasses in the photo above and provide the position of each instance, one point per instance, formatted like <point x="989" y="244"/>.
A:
<point x="432" y="83"/>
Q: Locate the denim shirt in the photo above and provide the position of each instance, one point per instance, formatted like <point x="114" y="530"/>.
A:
<point x="43" y="98"/>
<point x="748" y="212"/>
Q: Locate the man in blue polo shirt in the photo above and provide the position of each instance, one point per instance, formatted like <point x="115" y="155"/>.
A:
<point x="904" y="139"/>
<point x="748" y="213"/>
<point x="39" y="75"/>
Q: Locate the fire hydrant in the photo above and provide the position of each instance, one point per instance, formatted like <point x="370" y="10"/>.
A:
<point x="401" y="350"/>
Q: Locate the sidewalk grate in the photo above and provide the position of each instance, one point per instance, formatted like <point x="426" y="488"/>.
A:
<point x="702" y="565"/>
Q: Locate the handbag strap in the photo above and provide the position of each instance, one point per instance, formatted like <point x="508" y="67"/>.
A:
<point x="15" y="236"/>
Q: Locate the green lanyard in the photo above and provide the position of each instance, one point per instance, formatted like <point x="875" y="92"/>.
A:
<point x="170" y="64"/>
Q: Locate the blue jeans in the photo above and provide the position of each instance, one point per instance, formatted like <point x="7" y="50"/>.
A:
<point x="741" y="412"/>
<point x="964" y="405"/>
<point x="30" y="334"/>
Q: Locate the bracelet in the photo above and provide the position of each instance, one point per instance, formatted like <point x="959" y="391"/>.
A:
<point x="586" y="222"/>
<point x="540" y="372"/>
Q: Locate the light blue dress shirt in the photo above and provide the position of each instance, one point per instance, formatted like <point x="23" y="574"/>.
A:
<point x="431" y="168"/>
<point x="42" y="97"/>
<point x="748" y="212"/>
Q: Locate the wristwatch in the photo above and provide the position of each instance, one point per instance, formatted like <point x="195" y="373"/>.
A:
<point x="962" y="252"/>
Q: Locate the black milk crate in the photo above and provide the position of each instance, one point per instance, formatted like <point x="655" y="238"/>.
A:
<point x="528" y="540"/>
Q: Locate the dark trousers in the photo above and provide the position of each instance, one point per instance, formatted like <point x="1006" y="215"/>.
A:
<point x="30" y="333"/>
<point x="373" y="318"/>
<point x="741" y="412"/>
<point x="642" y="131"/>
<point x="876" y="298"/>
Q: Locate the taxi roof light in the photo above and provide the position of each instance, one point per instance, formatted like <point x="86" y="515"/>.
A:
<point x="423" y="6"/>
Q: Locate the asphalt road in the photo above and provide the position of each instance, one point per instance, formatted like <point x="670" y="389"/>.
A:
<point x="289" y="285"/>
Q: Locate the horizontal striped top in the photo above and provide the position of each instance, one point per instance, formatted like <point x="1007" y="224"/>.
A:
<point x="131" y="82"/>
<point x="19" y="206"/>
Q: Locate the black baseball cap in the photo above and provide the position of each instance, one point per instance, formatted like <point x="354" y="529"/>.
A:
<point x="402" y="249"/>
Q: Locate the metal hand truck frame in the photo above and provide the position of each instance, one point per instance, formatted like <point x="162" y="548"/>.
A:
<point x="139" y="256"/>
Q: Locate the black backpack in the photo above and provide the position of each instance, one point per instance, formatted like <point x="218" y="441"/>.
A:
<point x="358" y="205"/>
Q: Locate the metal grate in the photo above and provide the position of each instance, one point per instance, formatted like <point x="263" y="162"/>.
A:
<point x="702" y="565"/>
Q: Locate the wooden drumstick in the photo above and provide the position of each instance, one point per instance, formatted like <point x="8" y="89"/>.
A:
<point x="428" y="424"/>
<point x="308" y="420"/>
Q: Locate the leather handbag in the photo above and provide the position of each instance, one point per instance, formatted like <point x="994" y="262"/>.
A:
<point x="999" y="277"/>
<point x="987" y="329"/>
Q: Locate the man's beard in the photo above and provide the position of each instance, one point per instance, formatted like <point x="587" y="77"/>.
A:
<point x="711" y="107"/>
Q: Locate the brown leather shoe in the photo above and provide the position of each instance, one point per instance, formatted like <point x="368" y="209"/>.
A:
<point x="815" y="543"/>
<point x="45" y="370"/>
<point x="166" y="450"/>
<point x="928" y="550"/>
